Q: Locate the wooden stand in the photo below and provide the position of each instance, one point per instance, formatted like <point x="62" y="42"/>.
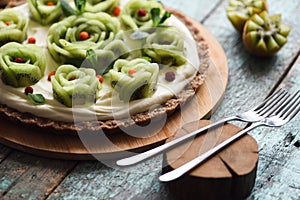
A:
<point x="230" y="174"/>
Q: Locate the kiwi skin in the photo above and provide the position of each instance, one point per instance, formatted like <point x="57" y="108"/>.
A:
<point x="264" y="43"/>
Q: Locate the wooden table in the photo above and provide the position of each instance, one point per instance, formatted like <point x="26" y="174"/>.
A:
<point x="251" y="79"/>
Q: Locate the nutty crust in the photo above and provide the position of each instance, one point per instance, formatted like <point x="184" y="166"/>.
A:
<point x="141" y="118"/>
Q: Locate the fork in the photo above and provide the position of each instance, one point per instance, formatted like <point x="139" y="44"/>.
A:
<point x="253" y="115"/>
<point x="281" y="115"/>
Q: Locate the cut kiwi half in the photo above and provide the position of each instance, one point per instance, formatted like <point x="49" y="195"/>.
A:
<point x="265" y="35"/>
<point x="239" y="11"/>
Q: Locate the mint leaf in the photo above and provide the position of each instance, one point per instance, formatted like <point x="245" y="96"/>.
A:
<point x="155" y="13"/>
<point x="36" y="98"/>
<point x="147" y="58"/>
<point x="157" y="20"/>
<point x="165" y="17"/>
<point x="80" y="5"/>
<point x="67" y="9"/>
<point x="92" y="57"/>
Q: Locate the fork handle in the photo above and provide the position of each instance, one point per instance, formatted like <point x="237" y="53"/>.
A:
<point x="147" y="154"/>
<point x="176" y="173"/>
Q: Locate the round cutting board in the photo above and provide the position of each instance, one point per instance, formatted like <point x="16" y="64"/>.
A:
<point x="102" y="146"/>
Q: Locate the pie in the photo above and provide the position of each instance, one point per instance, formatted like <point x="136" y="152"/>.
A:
<point x="113" y="65"/>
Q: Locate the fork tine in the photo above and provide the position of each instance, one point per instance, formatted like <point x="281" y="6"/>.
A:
<point x="270" y="99"/>
<point x="292" y="107"/>
<point x="275" y="103"/>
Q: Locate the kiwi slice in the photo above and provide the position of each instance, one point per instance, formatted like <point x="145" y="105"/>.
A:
<point x="74" y="86"/>
<point x="265" y="35"/>
<point x="13" y="26"/>
<point x="134" y="79"/>
<point x="21" y="65"/>
<point x="239" y="11"/>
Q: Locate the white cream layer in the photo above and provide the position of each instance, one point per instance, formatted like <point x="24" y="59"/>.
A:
<point x="107" y="106"/>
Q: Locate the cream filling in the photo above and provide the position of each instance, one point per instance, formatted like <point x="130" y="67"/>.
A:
<point x="108" y="105"/>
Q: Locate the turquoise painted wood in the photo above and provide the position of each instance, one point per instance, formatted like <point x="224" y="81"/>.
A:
<point x="251" y="79"/>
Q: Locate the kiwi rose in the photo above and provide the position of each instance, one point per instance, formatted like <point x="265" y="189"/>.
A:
<point x="74" y="86"/>
<point x="13" y="26"/>
<point x="45" y="12"/>
<point x="69" y="39"/>
<point x="21" y="65"/>
<point x="135" y="79"/>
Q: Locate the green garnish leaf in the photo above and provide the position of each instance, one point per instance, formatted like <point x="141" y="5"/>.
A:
<point x="107" y="69"/>
<point x="165" y="17"/>
<point x="80" y="5"/>
<point x="155" y="12"/>
<point x="36" y="98"/>
<point x="157" y="20"/>
<point x="147" y="58"/>
<point x="92" y="57"/>
<point x="67" y="9"/>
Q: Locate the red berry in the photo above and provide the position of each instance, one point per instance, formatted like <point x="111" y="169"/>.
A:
<point x="131" y="71"/>
<point x="117" y="11"/>
<point x="51" y="74"/>
<point x="28" y="90"/>
<point x="19" y="60"/>
<point x="31" y="40"/>
<point x="100" y="78"/>
<point x="142" y="13"/>
<point x="84" y="35"/>
<point x="49" y="3"/>
<point x="170" y="76"/>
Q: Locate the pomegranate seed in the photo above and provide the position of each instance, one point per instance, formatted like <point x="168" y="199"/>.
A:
<point x="170" y="76"/>
<point x="131" y="71"/>
<point x="51" y="74"/>
<point x="117" y="11"/>
<point x="19" y="60"/>
<point x="31" y="40"/>
<point x="142" y="13"/>
<point x="100" y="78"/>
<point x="50" y="3"/>
<point x="84" y="35"/>
<point x="28" y="90"/>
<point x="72" y="79"/>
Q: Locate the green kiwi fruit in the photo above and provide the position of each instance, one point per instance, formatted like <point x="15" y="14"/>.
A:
<point x="239" y="11"/>
<point x="265" y="35"/>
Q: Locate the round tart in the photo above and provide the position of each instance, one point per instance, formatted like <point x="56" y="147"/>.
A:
<point x="143" y="73"/>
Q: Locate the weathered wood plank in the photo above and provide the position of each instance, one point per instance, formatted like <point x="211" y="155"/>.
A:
<point x="199" y="10"/>
<point x="28" y="177"/>
<point x="4" y="151"/>
<point x="279" y="172"/>
<point x="93" y="180"/>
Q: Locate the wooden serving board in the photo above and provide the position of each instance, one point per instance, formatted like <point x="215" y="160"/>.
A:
<point x="101" y="146"/>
